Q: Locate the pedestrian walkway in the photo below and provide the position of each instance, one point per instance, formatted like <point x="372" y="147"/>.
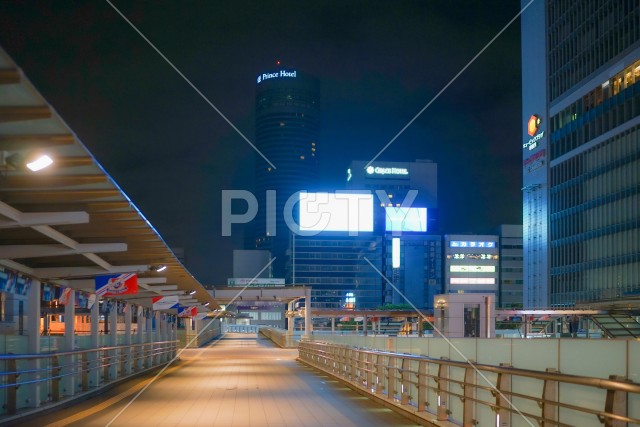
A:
<point x="238" y="381"/>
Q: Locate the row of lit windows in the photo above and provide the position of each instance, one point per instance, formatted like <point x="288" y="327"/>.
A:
<point x="613" y="113"/>
<point x="585" y="35"/>
<point x="608" y="89"/>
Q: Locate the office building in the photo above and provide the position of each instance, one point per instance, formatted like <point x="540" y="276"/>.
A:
<point x="340" y="257"/>
<point x="510" y="273"/>
<point x="581" y="151"/>
<point x="471" y="263"/>
<point x="286" y="133"/>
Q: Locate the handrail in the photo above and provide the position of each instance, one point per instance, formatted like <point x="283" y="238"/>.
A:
<point x="394" y="376"/>
<point x="75" y="352"/>
<point x="94" y="367"/>
<point x="549" y="376"/>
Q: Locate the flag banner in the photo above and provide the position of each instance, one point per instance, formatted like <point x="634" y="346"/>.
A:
<point x="64" y="296"/>
<point x="91" y="300"/>
<point x="187" y="311"/>
<point x="165" y="303"/>
<point x="47" y="293"/>
<point x="8" y="280"/>
<point x="81" y="299"/>
<point x="117" y="284"/>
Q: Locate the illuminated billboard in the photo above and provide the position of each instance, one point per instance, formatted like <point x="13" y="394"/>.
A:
<point x="352" y="212"/>
<point x="471" y="244"/>
<point x="472" y="256"/>
<point x="473" y="281"/>
<point x="406" y="219"/>
<point x="472" y="269"/>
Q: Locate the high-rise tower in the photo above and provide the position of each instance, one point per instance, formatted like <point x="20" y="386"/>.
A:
<point x="287" y="128"/>
<point x="581" y="151"/>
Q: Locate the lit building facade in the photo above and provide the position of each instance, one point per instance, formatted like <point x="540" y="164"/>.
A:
<point x="336" y="268"/>
<point x="286" y="133"/>
<point x="510" y="278"/>
<point x="581" y="151"/>
<point x="416" y="271"/>
<point x="471" y="263"/>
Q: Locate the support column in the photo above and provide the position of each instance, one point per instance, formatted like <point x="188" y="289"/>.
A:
<point x="333" y="325"/>
<point x="140" y="326"/>
<point x="94" y="372"/>
<point x="148" y="338"/>
<point x="128" y="340"/>
<point x="290" y="321"/>
<point x="308" y="327"/>
<point x="364" y="325"/>
<point x="158" y="334"/>
<point x="69" y="381"/>
<point x="33" y="341"/>
<point x="113" y="340"/>
<point x="420" y="326"/>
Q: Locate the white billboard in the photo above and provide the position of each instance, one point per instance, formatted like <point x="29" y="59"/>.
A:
<point x="472" y="269"/>
<point x="473" y="281"/>
<point x="406" y="219"/>
<point x="352" y="212"/>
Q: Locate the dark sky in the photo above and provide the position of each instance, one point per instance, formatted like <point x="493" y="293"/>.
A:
<point x="379" y="63"/>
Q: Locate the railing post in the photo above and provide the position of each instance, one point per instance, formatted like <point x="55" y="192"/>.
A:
<point x="468" y="406"/>
<point x="85" y="371"/>
<point x="443" y="392"/>
<point x="392" y="375"/>
<point x="12" y="392"/>
<point x="549" y="399"/>
<point x="380" y="373"/>
<point x="503" y="412"/>
<point x="616" y="403"/>
<point x="405" y="384"/>
<point x="55" y="379"/>
<point x="370" y="371"/>
<point x="422" y="386"/>
<point x="105" y="360"/>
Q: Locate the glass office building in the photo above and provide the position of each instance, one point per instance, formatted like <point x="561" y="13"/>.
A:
<point x="581" y="151"/>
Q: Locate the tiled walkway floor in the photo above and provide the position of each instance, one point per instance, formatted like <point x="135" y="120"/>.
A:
<point x="239" y="381"/>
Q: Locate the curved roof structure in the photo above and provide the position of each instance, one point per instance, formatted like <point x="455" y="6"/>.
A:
<point x="70" y="222"/>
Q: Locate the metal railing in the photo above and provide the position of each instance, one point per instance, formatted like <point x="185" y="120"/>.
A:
<point x="281" y="337"/>
<point x="445" y="390"/>
<point x="61" y="375"/>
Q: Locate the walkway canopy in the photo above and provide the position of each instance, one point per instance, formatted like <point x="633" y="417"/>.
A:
<point x="70" y="221"/>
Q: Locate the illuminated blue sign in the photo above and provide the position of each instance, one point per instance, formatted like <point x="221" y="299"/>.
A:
<point x="406" y="219"/>
<point x="471" y="244"/>
<point x="278" y="74"/>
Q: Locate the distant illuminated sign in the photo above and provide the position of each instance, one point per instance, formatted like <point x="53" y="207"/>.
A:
<point x="471" y="244"/>
<point x="472" y="269"/>
<point x="258" y="282"/>
<point x="534" y="162"/>
<point x="406" y="219"/>
<point x="395" y="252"/>
<point x="352" y="212"/>
<point x="350" y="301"/>
<point x="472" y="281"/>
<point x="377" y="170"/>
<point x="472" y="256"/>
<point x="278" y="74"/>
<point x="533" y="125"/>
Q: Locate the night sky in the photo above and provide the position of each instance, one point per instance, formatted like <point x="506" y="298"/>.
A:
<point x="378" y="63"/>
